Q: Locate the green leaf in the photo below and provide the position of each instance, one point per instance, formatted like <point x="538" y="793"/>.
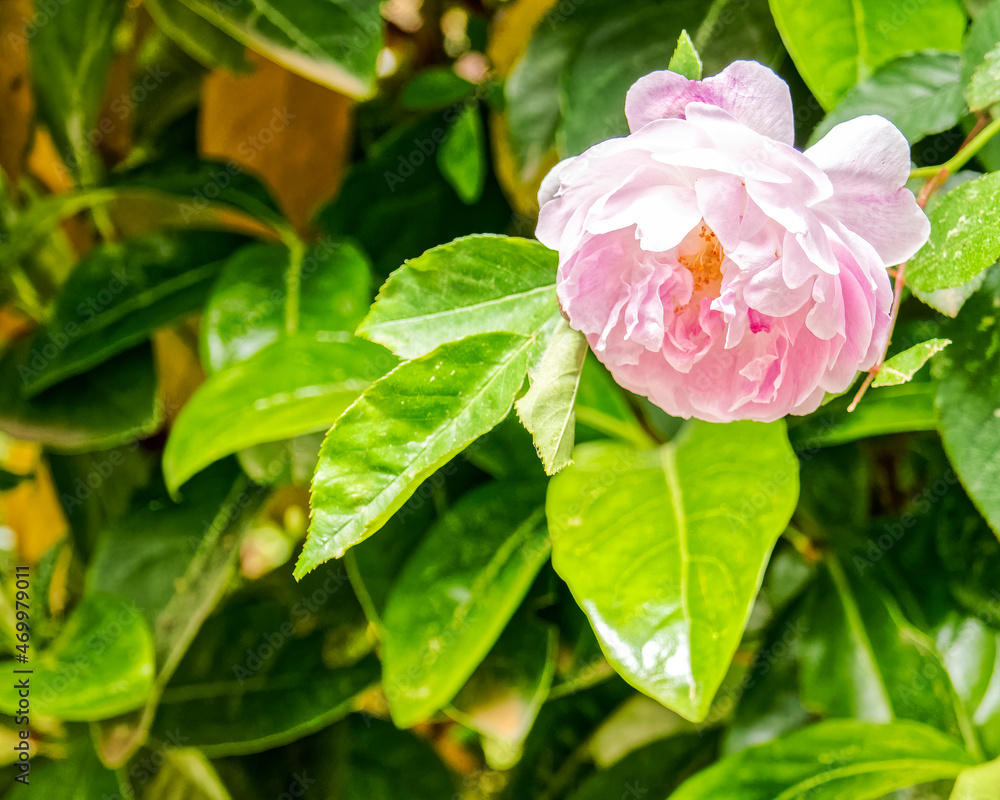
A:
<point x="861" y="659"/>
<point x="187" y="773"/>
<point x="100" y="665"/>
<point x="202" y="40"/>
<point x="472" y="285"/>
<point x="397" y="204"/>
<point x="546" y="409"/>
<point x="685" y="60"/>
<point x="70" y="56"/>
<point x="978" y="783"/>
<point x="456" y="594"/>
<point x="178" y="588"/>
<point x="597" y="76"/>
<point x="601" y="406"/>
<point x="78" y="775"/>
<point x="120" y="293"/>
<point x="375" y="564"/>
<point x="965" y="236"/>
<point x="254" y="679"/>
<point x="654" y="770"/>
<point x="896" y="409"/>
<point x="507" y="451"/>
<point x="950" y="301"/>
<point x="984" y="36"/>
<point x="919" y="93"/>
<point x="382" y="763"/>
<point x="594" y="83"/>
<point x="462" y="155"/>
<point x="109" y="405"/>
<point x="903" y="366"/>
<point x="835" y="760"/>
<point x="296" y="385"/>
<point x="252" y="306"/>
<point x="435" y="87"/>
<point x="332" y="42"/>
<point x="278" y="463"/>
<point x="841" y="43"/>
<point x="970" y="650"/>
<point x="984" y="88"/>
<point x="403" y="428"/>
<point x="669" y="599"/>
<point x="531" y="91"/>
<point x="503" y="696"/>
<point x="968" y="398"/>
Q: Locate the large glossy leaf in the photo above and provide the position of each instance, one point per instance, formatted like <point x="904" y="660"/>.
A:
<point x="836" y="760"/>
<point x="861" y="659"/>
<point x="969" y="395"/>
<point x="965" y="236"/>
<point x="100" y="665"/>
<point x="250" y="305"/>
<point x="840" y="43"/>
<point x="70" y="55"/>
<point x="111" y="404"/>
<point x="403" y="428"/>
<point x="456" y="593"/>
<point x="665" y="549"/>
<point x="332" y="42"/>
<point x="120" y="293"/>
<point x="472" y="285"/>
<point x="297" y="385"/>
<point x="919" y="93"/>
<point x="547" y="408"/>
<point x="255" y="679"/>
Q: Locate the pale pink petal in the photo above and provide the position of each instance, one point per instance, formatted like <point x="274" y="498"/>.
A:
<point x="868" y="161"/>
<point x="749" y="91"/>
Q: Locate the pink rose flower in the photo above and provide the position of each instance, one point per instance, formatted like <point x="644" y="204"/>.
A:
<point x="716" y="269"/>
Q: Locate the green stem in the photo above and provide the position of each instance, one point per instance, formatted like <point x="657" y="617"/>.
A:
<point x="963" y="156"/>
<point x="29" y="301"/>
<point x="293" y="279"/>
<point x="615" y="428"/>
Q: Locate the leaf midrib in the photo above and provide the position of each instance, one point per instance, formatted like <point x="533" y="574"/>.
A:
<point x="365" y="329"/>
<point x="405" y="474"/>
<point x="668" y="457"/>
<point x="908" y="764"/>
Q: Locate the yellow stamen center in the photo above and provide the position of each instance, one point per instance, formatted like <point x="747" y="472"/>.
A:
<point x="704" y="260"/>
